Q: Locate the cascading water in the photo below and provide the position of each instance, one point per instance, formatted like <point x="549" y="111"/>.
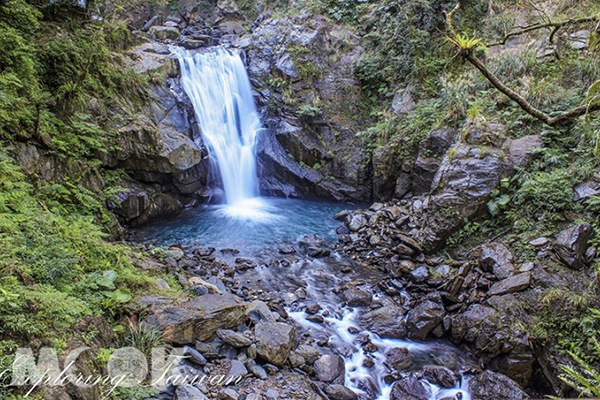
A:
<point x="219" y="89"/>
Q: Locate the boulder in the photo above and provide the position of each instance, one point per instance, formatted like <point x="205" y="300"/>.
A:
<point x="492" y="385"/>
<point x="440" y="376"/>
<point x="572" y="243"/>
<point x="387" y="322"/>
<point x="233" y="339"/>
<point x="309" y="353"/>
<point x="403" y="102"/>
<point x="470" y="171"/>
<point x="164" y="32"/>
<point x="274" y="341"/>
<point x="357" y="298"/>
<point x="330" y="368"/>
<point x="496" y="258"/>
<point x="197" y="319"/>
<point x="512" y="284"/>
<point x="409" y="388"/>
<point x="189" y="392"/>
<point x="425" y="316"/>
<point x="431" y="153"/>
<point x="399" y="358"/>
<point x="339" y="392"/>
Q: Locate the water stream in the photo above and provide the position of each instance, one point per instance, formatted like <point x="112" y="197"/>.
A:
<point x="218" y="86"/>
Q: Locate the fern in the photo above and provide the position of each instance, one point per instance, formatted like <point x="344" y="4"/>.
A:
<point x="584" y="377"/>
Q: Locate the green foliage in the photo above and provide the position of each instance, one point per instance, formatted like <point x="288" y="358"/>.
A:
<point x="55" y="268"/>
<point x="584" y="377"/>
<point x="144" y="337"/>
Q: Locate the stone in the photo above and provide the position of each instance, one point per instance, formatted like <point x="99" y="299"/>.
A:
<point x="431" y="153"/>
<point x="357" y="221"/>
<point x="150" y="23"/>
<point x="189" y="392"/>
<point x="421" y="319"/>
<point x="513" y="284"/>
<point x="357" y="298"/>
<point x="387" y="322"/>
<point x="420" y="274"/>
<point x="440" y="376"/>
<point x="164" y="32"/>
<point x="572" y="243"/>
<point x="194" y="356"/>
<point x="579" y="40"/>
<point x="496" y="258"/>
<point x="257" y="370"/>
<point x="409" y="388"/>
<point x="228" y="394"/>
<point x="339" y="392"/>
<point x="493" y="385"/>
<point x="274" y="341"/>
<point x="236" y="369"/>
<point x="403" y="102"/>
<point x="330" y="368"/>
<point x="234" y="339"/>
<point x="309" y="353"/>
<point x="399" y="358"/>
<point x="197" y="319"/>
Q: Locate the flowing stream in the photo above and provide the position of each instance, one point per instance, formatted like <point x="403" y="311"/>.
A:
<point x="219" y="88"/>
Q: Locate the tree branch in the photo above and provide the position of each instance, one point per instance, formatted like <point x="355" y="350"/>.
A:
<point x="558" y="119"/>
<point x="556" y="26"/>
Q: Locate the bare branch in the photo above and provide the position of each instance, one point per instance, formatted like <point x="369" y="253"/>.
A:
<point x="556" y="26"/>
<point x="558" y="119"/>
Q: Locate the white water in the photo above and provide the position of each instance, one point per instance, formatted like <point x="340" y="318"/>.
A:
<point x="219" y="89"/>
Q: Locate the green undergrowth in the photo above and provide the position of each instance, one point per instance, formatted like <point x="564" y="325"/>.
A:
<point x="56" y="267"/>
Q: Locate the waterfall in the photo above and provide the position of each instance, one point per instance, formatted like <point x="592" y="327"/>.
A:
<point x="219" y="89"/>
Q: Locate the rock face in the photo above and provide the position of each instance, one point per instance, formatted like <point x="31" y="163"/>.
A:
<point x="274" y="341"/>
<point x="197" y="319"/>
<point x="496" y="258"/>
<point x="423" y="318"/>
<point x="572" y="244"/>
<point x="330" y="368"/>
<point x="310" y="147"/>
<point x="409" y="388"/>
<point x="431" y="153"/>
<point x="386" y="321"/>
<point x="492" y="385"/>
<point x="469" y="173"/>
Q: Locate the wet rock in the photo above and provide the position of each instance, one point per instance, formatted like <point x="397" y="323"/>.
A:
<point x="399" y="358"/>
<point x="572" y="243"/>
<point x="357" y="222"/>
<point x="234" y="339"/>
<point x="197" y="319"/>
<point x="339" y="392"/>
<point x="440" y="376"/>
<point x="357" y="298"/>
<point x="386" y="321"/>
<point x="420" y="274"/>
<point x="513" y="284"/>
<point x="409" y="388"/>
<point x="189" y="392"/>
<point x="431" y="153"/>
<point x="492" y="385"/>
<point x="309" y="353"/>
<point x="423" y="318"/>
<point x="496" y="258"/>
<point x="164" y="32"/>
<point x="330" y="368"/>
<point x="274" y="341"/>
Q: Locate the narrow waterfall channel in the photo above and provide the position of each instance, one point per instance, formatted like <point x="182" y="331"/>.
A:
<point x="219" y="89"/>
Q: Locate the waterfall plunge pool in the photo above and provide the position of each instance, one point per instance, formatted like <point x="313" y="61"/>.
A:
<point x="249" y="227"/>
